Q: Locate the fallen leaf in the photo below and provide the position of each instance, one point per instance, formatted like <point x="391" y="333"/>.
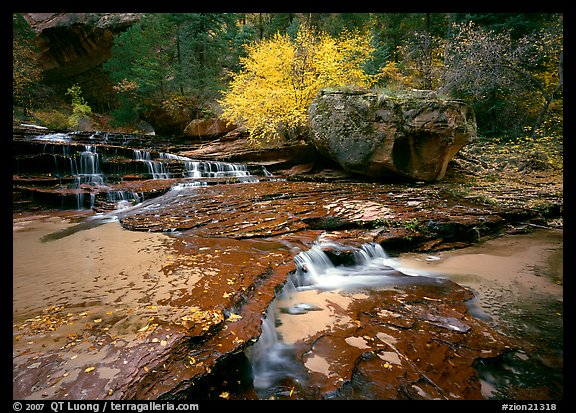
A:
<point x="224" y="394"/>
<point x="89" y="369"/>
<point x="234" y="317"/>
<point x="163" y="343"/>
<point x="144" y="328"/>
<point x="98" y="320"/>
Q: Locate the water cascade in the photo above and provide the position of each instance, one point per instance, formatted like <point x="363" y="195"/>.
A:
<point x="80" y="168"/>
<point x="156" y="169"/>
<point x="367" y="267"/>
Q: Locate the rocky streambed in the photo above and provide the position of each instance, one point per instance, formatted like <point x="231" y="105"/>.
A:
<point x="174" y="295"/>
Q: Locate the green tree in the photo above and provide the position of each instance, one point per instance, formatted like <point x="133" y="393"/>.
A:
<point x="203" y="42"/>
<point x="26" y="70"/>
<point x="80" y="109"/>
<point x="170" y="60"/>
<point x="140" y="58"/>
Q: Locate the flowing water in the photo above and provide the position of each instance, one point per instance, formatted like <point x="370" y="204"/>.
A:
<point x="517" y="281"/>
<point x="88" y="263"/>
<point x="518" y="284"/>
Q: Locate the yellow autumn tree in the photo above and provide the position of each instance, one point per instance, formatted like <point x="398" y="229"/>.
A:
<point x="280" y="77"/>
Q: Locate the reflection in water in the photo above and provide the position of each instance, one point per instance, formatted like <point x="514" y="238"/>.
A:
<point x="96" y="261"/>
<point x="517" y="282"/>
<point x="316" y="282"/>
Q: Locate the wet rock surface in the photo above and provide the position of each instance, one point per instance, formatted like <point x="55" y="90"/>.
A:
<point x="409" y="342"/>
<point x="171" y="304"/>
<point x="171" y="330"/>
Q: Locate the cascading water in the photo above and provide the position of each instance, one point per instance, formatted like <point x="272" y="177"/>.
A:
<point x="272" y="359"/>
<point x="84" y="170"/>
<point x="372" y="268"/>
<point x="88" y="169"/>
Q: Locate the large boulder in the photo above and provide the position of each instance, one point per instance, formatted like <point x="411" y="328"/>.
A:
<point x="207" y="127"/>
<point x="413" y="135"/>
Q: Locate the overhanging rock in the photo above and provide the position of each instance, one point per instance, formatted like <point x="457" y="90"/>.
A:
<point x="413" y="135"/>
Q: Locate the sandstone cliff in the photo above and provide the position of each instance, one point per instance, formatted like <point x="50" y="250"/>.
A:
<point x="73" y="47"/>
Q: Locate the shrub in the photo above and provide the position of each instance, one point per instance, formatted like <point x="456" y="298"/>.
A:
<point x="80" y="109"/>
<point x="53" y="120"/>
<point x="280" y="77"/>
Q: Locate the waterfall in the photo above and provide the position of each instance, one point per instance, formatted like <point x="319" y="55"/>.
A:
<point x="368" y="252"/>
<point x="123" y="199"/>
<point x="266" y="171"/>
<point x="272" y="360"/>
<point x="371" y="268"/>
<point x="204" y="169"/>
<point x="88" y="170"/>
<point x="155" y="168"/>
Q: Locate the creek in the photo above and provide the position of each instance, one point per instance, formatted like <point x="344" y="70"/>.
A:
<point x="517" y="283"/>
<point x="91" y="295"/>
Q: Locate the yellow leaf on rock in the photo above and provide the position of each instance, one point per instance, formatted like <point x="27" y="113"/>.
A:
<point x="143" y="328"/>
<point x="224" y="395"/>
<point x="89" y="369"/>
<point x="234" y="317"/>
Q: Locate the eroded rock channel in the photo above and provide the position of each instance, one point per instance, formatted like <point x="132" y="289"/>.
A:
<point x="174" y="295"/>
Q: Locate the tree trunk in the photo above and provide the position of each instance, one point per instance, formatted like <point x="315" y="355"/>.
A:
<point x="550" y="98"/>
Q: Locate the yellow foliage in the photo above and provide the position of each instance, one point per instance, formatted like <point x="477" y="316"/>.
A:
<point x="280" y="77"/>
<point x="394" y="78"/>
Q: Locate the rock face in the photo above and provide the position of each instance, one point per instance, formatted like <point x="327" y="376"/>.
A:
<point x="412" y="135"/>
<point x="74" y="43"/>
<point x="212" y="127"/>
<point x="72" y="48"/>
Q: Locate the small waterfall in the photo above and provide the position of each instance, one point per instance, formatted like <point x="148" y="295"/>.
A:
<point x="54" y="137"/>
<point x="204" y="169"/>
<point x="368" y="252"/>
<point x="88" y="168"/>
<point x="266" y="172"/>
<point x="272" y="360"/>
<point x="155" y="168"/>
<point x="311" y="265"/>
<point x="371" y="268"/>
<point x="123" y="199"/>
